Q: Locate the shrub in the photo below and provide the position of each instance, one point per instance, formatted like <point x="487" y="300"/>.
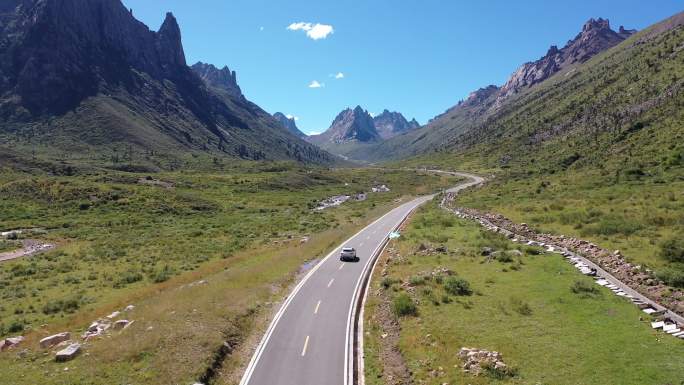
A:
<point x="387" y="282"/>
<point x="457" y="286"/>
<point x="585" y="289"/>
<point x="162" y="275"/>
<point x="416" y="280"/>
<point x="672" y="276"/>
<point x="533" y="250"/>
<point x="128" y="278"/>
<point x="68" y="305"/>
<point x="611" y="226"/>
<point x="403" y="306"/>
<point x="15" y="327"/>
<point x="673" y="249"/>
<point x="521" y="307"/>
<point x="498" y="373"/>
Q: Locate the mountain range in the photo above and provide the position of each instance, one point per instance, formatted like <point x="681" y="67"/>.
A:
<point x="482" y="105"/>
<point x="86" y="80"/>
<point x="357" y="127"/>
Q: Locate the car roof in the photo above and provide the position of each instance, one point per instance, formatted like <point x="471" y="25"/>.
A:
<point x="347" y="248"/>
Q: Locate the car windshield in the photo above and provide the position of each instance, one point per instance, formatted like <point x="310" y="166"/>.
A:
<point x="347" y="249"/>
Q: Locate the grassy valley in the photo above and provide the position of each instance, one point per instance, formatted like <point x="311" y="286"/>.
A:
<point x="136" y="238"/>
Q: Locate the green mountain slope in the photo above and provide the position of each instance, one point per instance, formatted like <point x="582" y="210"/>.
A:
<point x="596" y="153"/>
<point x="620" y="110"/>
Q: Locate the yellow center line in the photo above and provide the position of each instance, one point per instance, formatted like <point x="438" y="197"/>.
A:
<point x="317" y="306"/>
<point x="331" y="281"/>
<point x="306" y="343"/>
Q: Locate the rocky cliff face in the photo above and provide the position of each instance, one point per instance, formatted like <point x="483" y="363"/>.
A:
<point x="223" y="79"/>
<point x="289" y="124"/>
<point x="349" y="126"/>
<point x="389" y="124"/>
<point x="55" y="53"/>
<point x="596" y="37"/>
<point x="87" y="73"/>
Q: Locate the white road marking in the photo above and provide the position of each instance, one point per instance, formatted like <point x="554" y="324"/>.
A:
<point x="317" y="306"/>
<point x="341" y="266"/>
<point x="306" y="343"/>
<point x="360" y="244"/>
<point x="331" y="281"/>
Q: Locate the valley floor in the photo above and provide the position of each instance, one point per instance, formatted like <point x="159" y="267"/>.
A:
<point x="203" y="258"/>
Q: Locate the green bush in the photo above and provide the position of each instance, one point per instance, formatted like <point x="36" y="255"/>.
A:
<point x="611" y="226"/>
<point x="672" y="276"/>
<point x="673" y="249"/>
<point x="457" y="286"/>
<point x="498" y="374"/>
<point x="68" y="305"/>
<point x="15" y="327"/>
<point x="387" y="282"/>
<point x="585" y="289"/>
<point x="403" y="306"/>
<point x="417" y="280"/>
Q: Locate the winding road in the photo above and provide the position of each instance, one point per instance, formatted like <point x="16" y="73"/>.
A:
<point x="311" y="338"/>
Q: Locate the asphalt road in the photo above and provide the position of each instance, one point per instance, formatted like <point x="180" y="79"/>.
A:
<point x="306" y="342"/>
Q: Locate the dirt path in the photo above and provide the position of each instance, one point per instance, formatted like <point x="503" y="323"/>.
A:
<point x="30" y="247"/>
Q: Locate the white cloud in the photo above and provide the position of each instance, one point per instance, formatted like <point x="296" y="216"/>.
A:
<point x="339" y="75"/>
<point x="314" y="31"/>
<point x="315" y="132"/>
<point x="290" y="116"/>
<point x="261" y="28"/>
<point x="316" y="84"/>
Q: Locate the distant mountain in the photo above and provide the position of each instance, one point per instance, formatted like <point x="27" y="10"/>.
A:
<point x="485" y="103"/>
<point x="289" y="123"/>
<point x="349" y="126"/>
<point x="223" y="78"/>
<point x="85" y="79"/>
<point x="389" y="124"/>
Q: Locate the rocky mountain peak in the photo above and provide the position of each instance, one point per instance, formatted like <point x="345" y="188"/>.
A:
<point x="170" y="41"/>
<point x="351" y="125"/>
<point x="223" y="79"/>
<point x="596" y="36"/>
<point x="289" y="123"/>
<point x="596" y="24"/>
<point x="389" y="124"/>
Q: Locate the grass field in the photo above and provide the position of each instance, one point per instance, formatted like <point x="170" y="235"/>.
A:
<point x="522" y="305"/>
<point x="126" y="238"/>
<point x="635" y="216"/>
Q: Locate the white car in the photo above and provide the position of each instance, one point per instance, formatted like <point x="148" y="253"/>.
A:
<point x="348" y="254"/>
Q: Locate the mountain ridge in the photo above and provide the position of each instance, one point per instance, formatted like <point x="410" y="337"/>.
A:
<point x="594" y="38"/>
<point x="89" y="76"/>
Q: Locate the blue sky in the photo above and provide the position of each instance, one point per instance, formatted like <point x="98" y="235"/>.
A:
<point x="415" y="57"/>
